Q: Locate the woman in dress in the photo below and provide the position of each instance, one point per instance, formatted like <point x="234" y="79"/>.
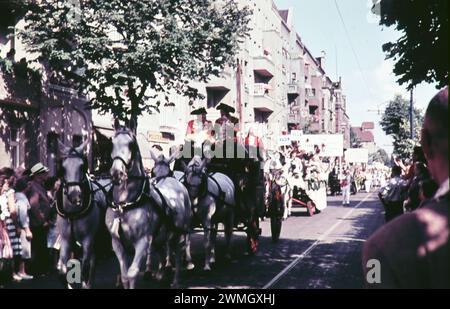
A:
<point x="9" y="216"/>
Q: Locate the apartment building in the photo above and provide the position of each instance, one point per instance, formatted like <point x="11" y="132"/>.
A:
<point x="277" y="85"/>
<point x="342" y="119"/>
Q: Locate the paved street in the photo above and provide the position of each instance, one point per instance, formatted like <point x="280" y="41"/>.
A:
<point x="319" y="252"/>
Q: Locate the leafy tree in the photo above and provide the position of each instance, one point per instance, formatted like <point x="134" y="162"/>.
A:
<point x="380" y="156"/>
<point x="125" y="54"/>
<point x="395" y="122"/>
<point x="421" y="53"/>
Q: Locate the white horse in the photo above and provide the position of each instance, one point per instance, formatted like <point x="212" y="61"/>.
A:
<point x="213" y="201"/>
<point x="139" y="210"/>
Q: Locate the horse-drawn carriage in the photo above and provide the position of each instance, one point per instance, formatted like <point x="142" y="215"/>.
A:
<point x="247" y="180"/>
<point x="139" y="209"/>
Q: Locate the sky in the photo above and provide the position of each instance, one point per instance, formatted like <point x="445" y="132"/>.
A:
<point x="368" y="82"/>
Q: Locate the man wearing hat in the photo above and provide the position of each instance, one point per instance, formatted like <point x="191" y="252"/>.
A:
<point x="40" y="211"/>
<point x="199" y="129"/>
<point x="226" y="122"/>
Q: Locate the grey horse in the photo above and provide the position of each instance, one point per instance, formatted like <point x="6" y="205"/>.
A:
<point x="213" y="202"/>
<point x="139" y="211"/>
<point x="161" y="171"/>
<point x="77" y="203"/>
<point x="172" y="196"/>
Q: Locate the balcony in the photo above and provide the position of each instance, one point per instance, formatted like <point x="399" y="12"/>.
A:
<point x="293" y="89"/>
<point x="314" y="127"/>
<point x="224" y="81"/>
<point x="264" y="66"/>
<point x="294" y="118"/>
<point x="262" y="98"/>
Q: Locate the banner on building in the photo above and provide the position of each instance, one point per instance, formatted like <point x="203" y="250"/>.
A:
<point x="329" y="145"/>
<point x="357" y="155"/>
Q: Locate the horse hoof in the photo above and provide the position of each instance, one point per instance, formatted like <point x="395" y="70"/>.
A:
<point x="190" y="266"/>
<point x="148" y="275"/>
<point x="212" y="260"/>
<point x="175" y="285"/>
<point x="207" y="268"/>
<point x="133" y="272"/>
<point x="159" y="276"/>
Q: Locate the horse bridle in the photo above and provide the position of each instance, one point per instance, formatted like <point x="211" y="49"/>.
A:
<point x="128" y="164"/>
<point x="203" y="187"/>
<point x="73" y="153"/>
<point x="66" y="185"/>
<point x="121" y="206"/>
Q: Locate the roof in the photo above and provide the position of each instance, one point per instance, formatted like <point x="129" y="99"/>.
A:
<point x="363" y="136"/>
<point x="284" y="14"/>
<point x="368" y="126"/>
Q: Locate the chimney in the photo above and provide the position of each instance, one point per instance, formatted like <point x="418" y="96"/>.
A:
<point x="321" y="59"/>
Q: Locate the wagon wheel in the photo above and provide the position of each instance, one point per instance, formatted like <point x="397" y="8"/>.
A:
<point x="253" y="233"/>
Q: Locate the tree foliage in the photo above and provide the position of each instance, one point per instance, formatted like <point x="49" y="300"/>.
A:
<point x="395" y="122"/>
<point x="380" y="156"/>
<point x="421" y="53"/>
<point x="125" y="54"/>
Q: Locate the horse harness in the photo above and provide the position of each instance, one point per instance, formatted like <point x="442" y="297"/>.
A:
<point x="86" y="207"/>
<point x="204" y="187"/>
<point x="63" y="191"/>
<point x="125" y="206"/>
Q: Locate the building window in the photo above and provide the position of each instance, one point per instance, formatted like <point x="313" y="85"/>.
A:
<point x="294" y="78"/>
<point x="314" y="92"/>
<point x="261" y="116"/>
<point x="52" y="143"/>
<point x="15" y="147"/>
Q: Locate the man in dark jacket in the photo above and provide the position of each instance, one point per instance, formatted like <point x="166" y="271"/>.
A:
<point x="39" y="218"/>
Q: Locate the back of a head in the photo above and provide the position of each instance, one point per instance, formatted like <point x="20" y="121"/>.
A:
<point x="418" y="155"/>
<point x="21" y="184"/>
<point x="422" y="170"/>
<point x="435" y="135"/>
<point x="7" y="172"/>
<point x="396" y="171"/>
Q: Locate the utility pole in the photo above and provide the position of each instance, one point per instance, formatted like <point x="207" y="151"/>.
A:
<point x="239" y="94"/>
<point x="411" y="113"/>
